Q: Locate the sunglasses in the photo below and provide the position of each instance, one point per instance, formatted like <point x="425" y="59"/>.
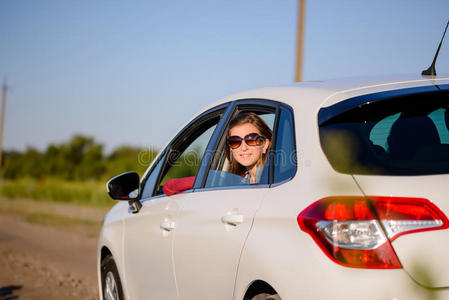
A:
<point x="252" y="139"/>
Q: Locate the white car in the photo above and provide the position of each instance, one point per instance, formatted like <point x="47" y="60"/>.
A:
<point x="352" y="203"/>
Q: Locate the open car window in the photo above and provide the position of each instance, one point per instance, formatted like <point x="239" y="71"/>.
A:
<point x="219" y="174"/>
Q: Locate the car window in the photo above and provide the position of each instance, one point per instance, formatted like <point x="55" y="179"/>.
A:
<point x="285" y="152"/>
<point x="439" y="119"/>
<point x="185" y="153"/>
<point x="186" y="163"/>
<point x="398" y="136"/>
<point x="269" y="119"/>
<point x="182" y="157"/>
<point x="221" y="172"/>
<point x="380" y="132"/>
<point x="148" y="187"/>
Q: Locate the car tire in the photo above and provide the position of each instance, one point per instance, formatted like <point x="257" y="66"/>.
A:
<point x="110" y="280"/>
<point x="265" y="296"/>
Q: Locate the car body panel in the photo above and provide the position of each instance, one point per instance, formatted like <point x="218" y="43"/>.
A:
<point x="208" y="245"/>
<point x="111" y="238"/>
<point x="424" y="255"/>
<point x="295" y="266"/>
<point x="147" y="250"/>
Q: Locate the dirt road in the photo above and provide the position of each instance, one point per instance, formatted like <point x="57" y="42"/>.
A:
<point x="47" y="250"/>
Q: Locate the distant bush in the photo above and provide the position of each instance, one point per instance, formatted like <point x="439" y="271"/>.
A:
<point x="80" y="159"/>
<point x="126" y="158"/>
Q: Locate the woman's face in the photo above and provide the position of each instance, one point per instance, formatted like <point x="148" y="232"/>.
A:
<point x="247" y="156"/>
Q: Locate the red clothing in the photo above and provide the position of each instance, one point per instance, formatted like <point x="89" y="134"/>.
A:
<point x="178" y="185"/>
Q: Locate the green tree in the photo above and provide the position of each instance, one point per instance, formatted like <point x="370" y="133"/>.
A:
<point x="12" y="165"/>
<point x="126" y="158"/>
<point x="81" y="159"/>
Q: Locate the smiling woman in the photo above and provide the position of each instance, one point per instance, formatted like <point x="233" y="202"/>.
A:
<point x="249" y="139"/>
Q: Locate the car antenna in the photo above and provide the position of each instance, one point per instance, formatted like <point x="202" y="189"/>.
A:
<point x="431" y="70"/>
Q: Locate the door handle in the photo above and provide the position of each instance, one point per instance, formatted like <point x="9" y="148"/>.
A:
<point x="232" y="219"/>
<point x="168" y="225"/>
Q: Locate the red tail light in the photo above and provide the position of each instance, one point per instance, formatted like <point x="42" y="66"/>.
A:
<point x="356" y="232"/>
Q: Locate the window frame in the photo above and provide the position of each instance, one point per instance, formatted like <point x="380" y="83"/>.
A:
<point x="234" y="109"/>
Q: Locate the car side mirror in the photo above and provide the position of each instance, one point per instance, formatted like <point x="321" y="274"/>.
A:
<point x="125" y="187"/>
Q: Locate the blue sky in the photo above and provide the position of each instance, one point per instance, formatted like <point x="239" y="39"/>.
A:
<point x="133" y="72"/>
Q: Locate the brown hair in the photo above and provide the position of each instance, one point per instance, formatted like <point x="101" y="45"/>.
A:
<point x="240" y="119"/>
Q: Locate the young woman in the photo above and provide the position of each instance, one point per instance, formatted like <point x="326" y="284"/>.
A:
<point x="248" y="142"/>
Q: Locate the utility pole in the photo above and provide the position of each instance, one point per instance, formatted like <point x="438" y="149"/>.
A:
<point x="300" y="40"/>
<point x="2" y="121"/>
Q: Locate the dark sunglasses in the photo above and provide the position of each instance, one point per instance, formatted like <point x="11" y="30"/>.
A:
<point x="252" y="139"/>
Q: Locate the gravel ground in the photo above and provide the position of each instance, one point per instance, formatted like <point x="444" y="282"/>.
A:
<point x="48" y="260"/>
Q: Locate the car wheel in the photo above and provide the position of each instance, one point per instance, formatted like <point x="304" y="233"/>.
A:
<point x="265" y="296"/>
<point x="110" y="281"/>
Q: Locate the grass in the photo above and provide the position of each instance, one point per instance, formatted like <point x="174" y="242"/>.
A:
<point x="90" y="194"/>
<point x="56" y="190"/>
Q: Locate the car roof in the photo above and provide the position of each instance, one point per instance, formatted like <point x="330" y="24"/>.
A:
<point x="316" y="94"/>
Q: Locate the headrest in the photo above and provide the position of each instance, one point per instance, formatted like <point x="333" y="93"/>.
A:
<point x="411" y="134"/>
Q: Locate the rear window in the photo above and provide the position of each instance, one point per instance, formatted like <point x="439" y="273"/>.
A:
<point x="391" y="133"/>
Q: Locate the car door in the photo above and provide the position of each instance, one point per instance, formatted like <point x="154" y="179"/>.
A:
<point x="148" y="234"/>
<point x="214" y="222"/>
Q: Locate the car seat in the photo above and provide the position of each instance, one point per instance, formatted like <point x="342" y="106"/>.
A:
<point x="411" y="135"/>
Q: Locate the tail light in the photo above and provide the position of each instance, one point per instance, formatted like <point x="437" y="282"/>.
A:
<point x="357" y="231"/>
